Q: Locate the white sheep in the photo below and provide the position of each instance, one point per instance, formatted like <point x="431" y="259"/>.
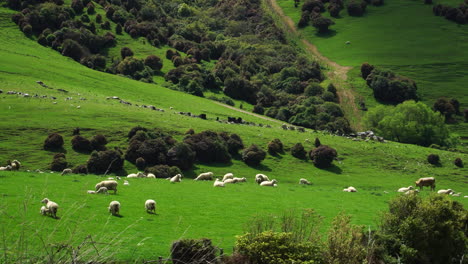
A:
<point x="228" y="176"/>
<point x="416" y="191"/>
<point x="114" y="208"/>
<point x="136" y="175"/>
<point x="350" y="189"/>
<point x="456" y="194"/>
<point x="207" y="176"/>
<point x="91" y="192"/>
<point x="6" y="168"/>
<point x="110" y="185"/>
<point x="15" y="165"/>
<point x="236" y="180"/>
<point x="405" y="189"/>
<point x="126" y="183"/>
<point x="218" y="183"/>
<point x="117" y="177"/>
<point x="304" y="181"/>
<point x="229" y="181"/>
<point x="44" y="210"/>
<point x="51" y="206"/>
<point x="66" y="171"/>
<point x="259" y="178"/>
<point x="151" y="175"/>
<point x="448" y="191"/>
<point x="176" y="178"/>
<point x="269" y="183"/>
<point x="150" y="206"/>
<point x="102" y="190"/>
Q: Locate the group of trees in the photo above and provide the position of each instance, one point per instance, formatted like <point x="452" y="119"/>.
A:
<point x="456" y="14"/>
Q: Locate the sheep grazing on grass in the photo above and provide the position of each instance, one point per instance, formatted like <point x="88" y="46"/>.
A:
<point x="102" y="190"/>
<point x="126" y="183"/>
<point x="15" y="165"/>
<point x="114" y="208"/>
<point x="456" y="194"/>
<point x="350" y="189"/>
<point x="207" y="176"/>
<point x="117" y="177"/>
<point x="416" y="191"/>
<point x="91" y="192"/>
<point x="51" y="206"/>
<point x="110" y="185"/>
<point x="66" y="171"/>
<point x="405" y="189"/>
<point x="229" y="181"/>
<point x="448" y="191"/>
<point x="44" y="210"/>
<point x="150" y="206"/>
<point x="137" y="175"/>
<point x="151" y="175"/>
<point x="236" y="180"/>
<point x="304" y="181"/>
<point x="269" y="183"/>
<point x="228" y="176"/>
<point x="176" y="178"/>
<point x="218" y="183"/>
<point x="259" y="178"/>
<point x="6" y="168"/>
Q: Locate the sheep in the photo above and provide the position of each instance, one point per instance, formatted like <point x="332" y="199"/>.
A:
<point x="207" y="176"/>
<point x="405" y="189"/>
<point x="229" y="181"/>
<point x="269" y="183"/>
<point x="126" y="183"/>
<point x="236" y="180"/>
<point x="304" y="181"/>
<point x="150" y="205"/>
<point x="44" y="210"/>
<point x="218" y="183"/>
<point x="150" y="175"/>
<point x="416" y="191"/>
<point x="114" y="208"/>
<point x="6" y="168"/>
<point x="448" y="191"/>
<point x="228" y="176"/>
<point x="456" y="194"/>
<point x="350" y="189"/>
<point x="91" y="192"/>
<point x="15" y="165"/>
<point x="102" y="190"/>
<point x="66" y="171"/>
<point x="111" y="178"/>
<point x="117" y="177"/>
<point x="110" y="185"/>
<point x="260" y="178"/>
<point x="137" y="175"/>
<point x="51" y="206"/>
<point x="176" y="178"/>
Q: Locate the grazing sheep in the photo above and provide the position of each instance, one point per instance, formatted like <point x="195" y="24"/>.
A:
<point x="269" y="183"/>
<point x="448" y="191"/>
<point x="66" y="171"/>
<point x="102" y="190"/>
<point x="218" y="183"/>
<point x="350" y="189"/>
<point x="6" y="168"/>
<point x="236" y="180"/>
<point x="110" y="185"/>
<point x="176" y="178"/>
<point x="114" y="208"/>
<point x="117" y="177"/>
<point x="259" y="178"/>
<point x="111" y="178"/>
<point x="416" y="191"/>
<point x="126" y="183"/>
<point x="405" y="189"/>
<point x="228" y="176"/>
<point x="229" y="181"/>
<point x="151" y="175"/>
<point x="136" y="175"/>
<point x="150" y="206"/>
<point x="91" y="192"/>
<point x="456" y="194"/>
<point x="44" y="210"/>
<point x="15" y="165"/>
<point x="304" y="181"/>
<point x="207" y="176"/>
<point x="51" y="206"/>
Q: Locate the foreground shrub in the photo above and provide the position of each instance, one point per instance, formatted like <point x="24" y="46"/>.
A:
<point x="126" y="52"/>
<point x="59" y="162"/>
<point x="323" y="156"/>
<point x="194" y="251"/>
<point x="80" y="143"/>
<point x="429" y="230"/>
<point x="53" y="141"/>
<point x="182" y="156"/>
<point x="275" y="146"/>
<point x="105" y="162"/>
<point x="433" y="159"/>
<point x="458" y="162"/>
<point x="298" y="151"/>
<point x="253" y="155"/>
<point x="163" y="171"/>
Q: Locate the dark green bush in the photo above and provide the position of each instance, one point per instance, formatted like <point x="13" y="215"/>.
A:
<point x="458" y="162"/>
<point x="391" y="88"/>
<point x="154" y="62"/>
<point x="59" y="162"/>
<point x="182" y="156"/>
<point x="433" y="159"/>
<point x="73" y="49"/>
<point x="317" y="142"/>
<point x="126" y="52"/>
<point x="356" y="8"/>
<point x="101" y="161"/>
<point x="163" y="171"/>
<point x="323" y="156"/>
<point x="253" y="155"/>
<point x="81" y="144"/>
<point x="140" y="163"/>
<point x="366" y="69"/>
<point x="194" y="251"/>
<point x="98" y="142"/>
<point x="209" y="147"/>
<point x="275" y="146"/>
<point x="80" y="169"/>
<point x="322" y="24"/>
<point x="53" y="141"/>
<point x="298" y="151"/>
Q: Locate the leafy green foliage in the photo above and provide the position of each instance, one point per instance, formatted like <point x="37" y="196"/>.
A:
<point x="391" y="88"/>
<point x="253" y="155"/>
<point x="105" y="161"/>
<point x="209" y="146"/>
<point x="433" y="159"/>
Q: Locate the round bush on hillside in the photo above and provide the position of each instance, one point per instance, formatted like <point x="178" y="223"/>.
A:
<point x="298" y="151"/>
<point x="275" y="146"/>
<point x="153" y="151"/>
<point x="126" y="52"/>
<point x="317" y="142"/>
<point x="98" y="142"/>
<point x="100" y="161"/>
<point x="140" y="163"/>
<point x="253" y="155"/>
<point x="163" y="171"/>
<point x="258" y="109"/>
<point x="366" y="69"/>
<point x="322" y="24"/>
<point x="80" y="143"/>
<point x="458" y="162"/>
<point x="80" y="169"/>
<point x="356" y="8"/>
<point x="134" y="130"/>
<point x="73" y="49"/>
<point x="209" y="147"/>
<point x="53" y="141"/>
<point x="433" y="159"/>
<point x="154" y="62"/>
<point x="323" y="156"/>
<point x="182" y="156"/>
<point x="59" y="162"/>
<point x="234" y="144"/>
<point x="76" y="131"/>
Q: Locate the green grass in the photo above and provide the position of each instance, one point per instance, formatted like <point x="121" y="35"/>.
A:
<point x="189" y="209"/>
<point x="403" y="36"/>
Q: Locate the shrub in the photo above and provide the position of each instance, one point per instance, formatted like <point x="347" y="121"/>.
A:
<point x="298" y="151"/>
<point x="253" y="155"/>
<point x="163" y="171"/>
<point x="433" y="159"/>
<point x="366" y="69"/>
<point x="429" y="230"/>
<point x="313" y="89"/>
<point x="140" y="163"/>
<point x="323" y="156"/>
<point x="53" y="141"/>
<point x="126" y="52"/>
<point x="258" y="109"/>
<point x="153" y="151"/>
<point x="90" y="8"/>
<point x="182" y="156"/>
<point x="195" y="251"/>
<point x="311" y="5"/>
<point x="445" y="107"/>
<point x="209" y="147"/>
<point x="391" y="88"/>
<point x="98" y="142"/>
<point x="76" y="131"/>
<point x="322" y="24"/>
<point x="334" y="10"/>
<point x="154" y="62"/>
<point x="134" y="130"/>
<point x="118" y="29"/>
<point x="317" y="142"/>
<point x="275" y="146"/>
<point x="458" y="162"/>
<point x="73" y="49"/>
<point x="105" y="161"/>
<point x="98" y="18"/>
<point x="77" y="6"/>
<point x="80" y="143"/>
<point x="234" y="144"/>
<point x="80" y="169"/>
<point x="356" y="8"/>
<point x="130" y="66"/>
<point x="59" y="162"/>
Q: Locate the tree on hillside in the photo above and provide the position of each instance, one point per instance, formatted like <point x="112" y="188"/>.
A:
<point x="410" y="122"/>
<point x="322" y="24"/>
<point x="445" y="107"/>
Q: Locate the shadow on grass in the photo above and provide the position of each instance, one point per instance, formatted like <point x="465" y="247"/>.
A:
<point x="330" y="33"/>
<point x="57" y="150"/>
<point x="335" y="169"/>
<point x="260" y="167"/>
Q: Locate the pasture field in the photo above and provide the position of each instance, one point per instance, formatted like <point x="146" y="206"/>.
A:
<point x="186" y="210"/>
<point x="405" y="37"/>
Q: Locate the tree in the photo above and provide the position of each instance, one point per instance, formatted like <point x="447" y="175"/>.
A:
<point x="366" y="69"/>
<point x="445" y="107"/>
<point x="53" y="141"/>
<point x="356" y="8"/>
<point x="126" y="52"/>
<point x="410" y="122"/>
<point x="154" y="62"/>
<point x="322" y="24"/>
<point x="323" y="156"/>
<point x="390" y="87"/>
<point x="253" y="155"/>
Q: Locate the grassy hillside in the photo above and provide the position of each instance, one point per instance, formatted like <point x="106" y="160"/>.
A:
<point x="189" y="209"/>
<point x="404" y="36"/>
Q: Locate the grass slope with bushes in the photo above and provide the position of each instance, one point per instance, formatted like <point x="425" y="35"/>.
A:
<point x="186" y="210"/>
